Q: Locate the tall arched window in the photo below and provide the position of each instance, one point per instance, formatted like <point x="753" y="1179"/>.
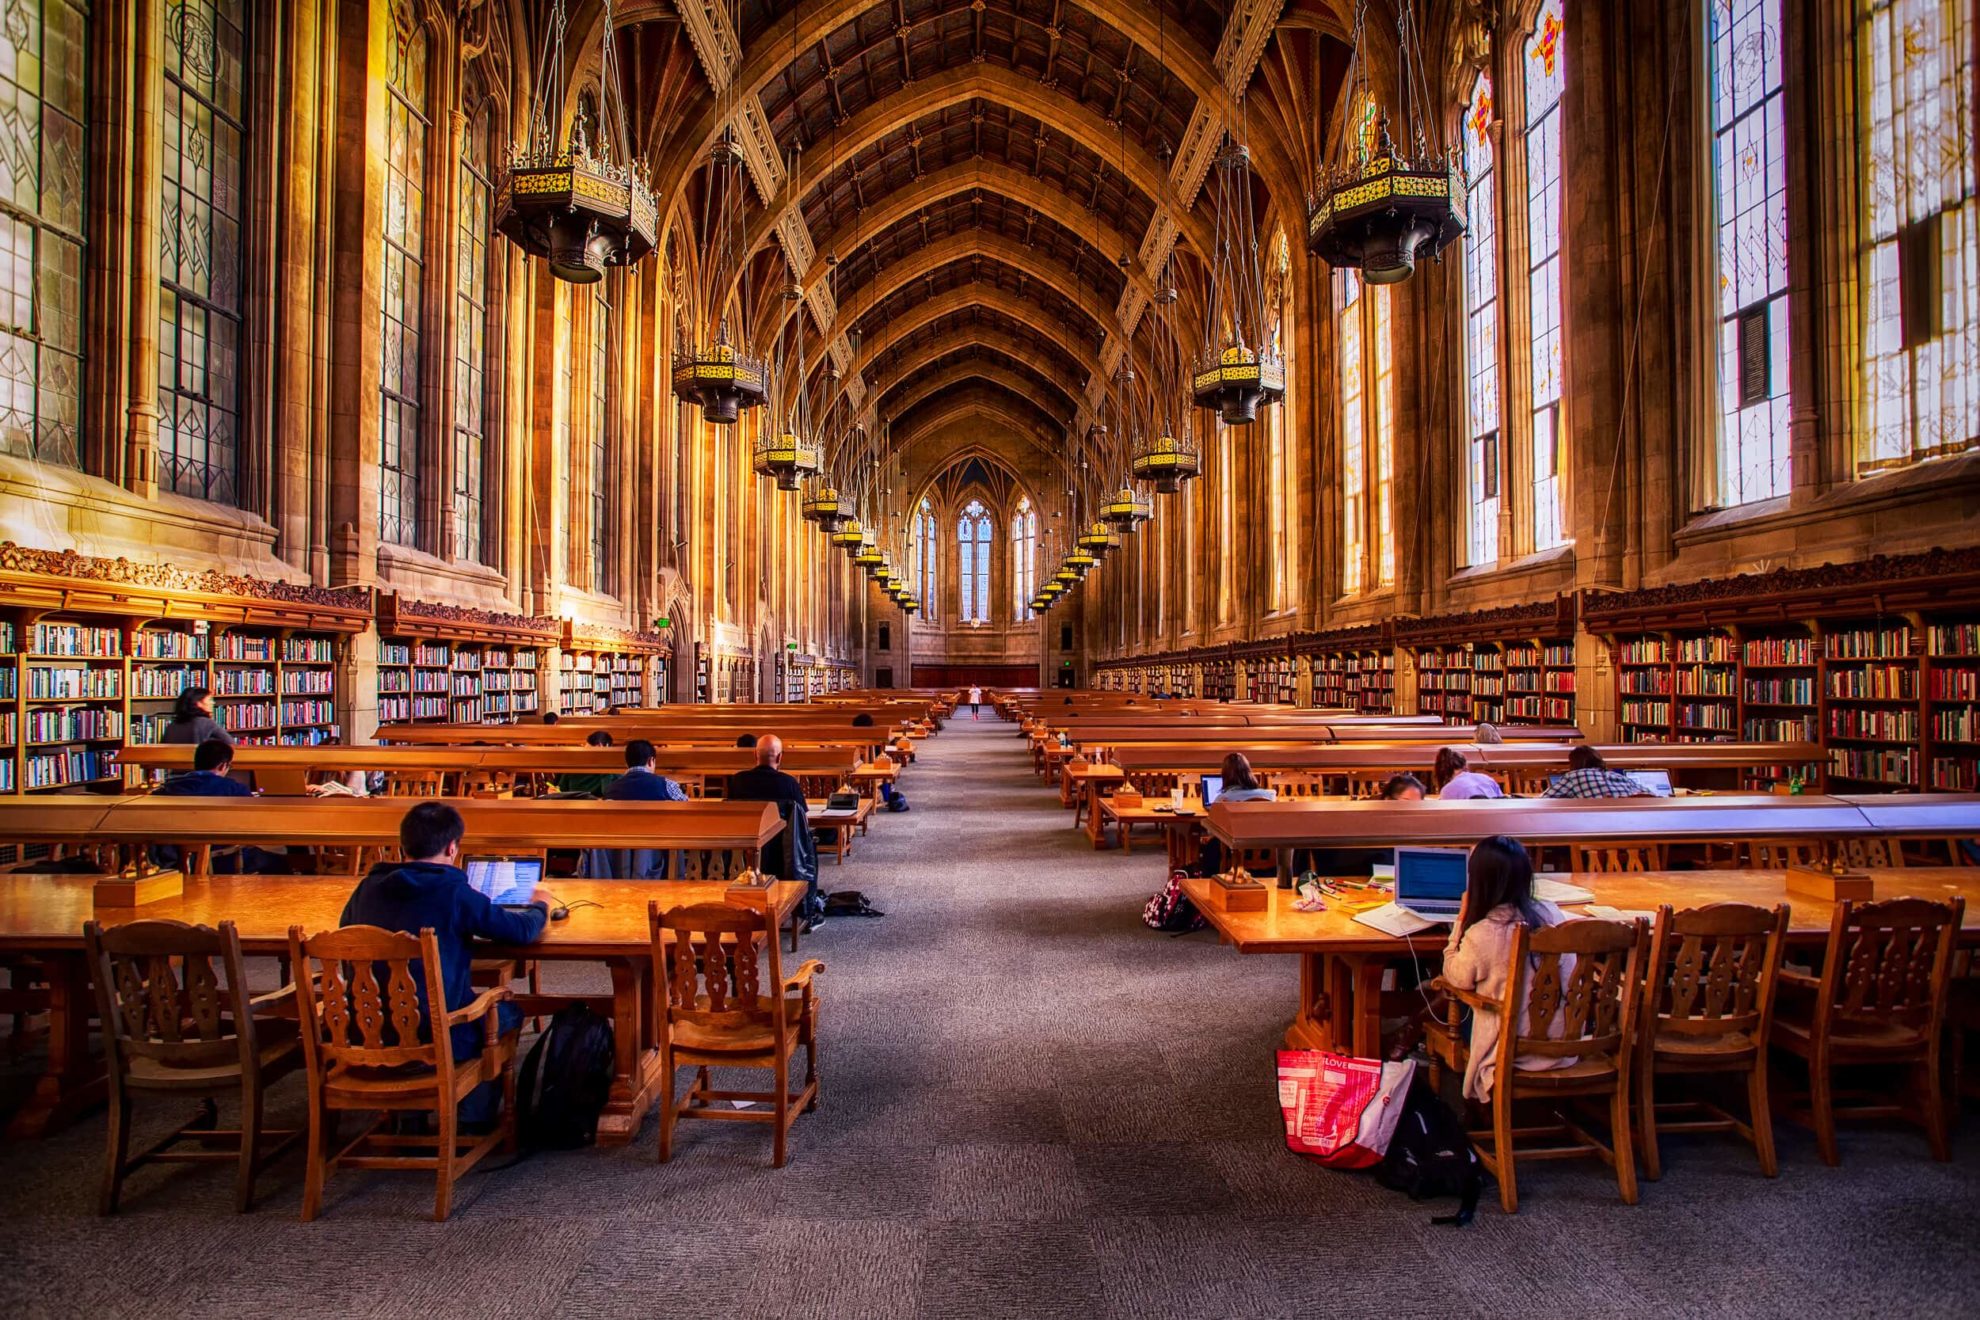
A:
<point x="200" y="263"/>
<point x="1921" y="230"/>
<point x="1481" y="328"/>
<point x="1280" y="495"/>
<point x="471" y="344"/>
<point x="926" y="582"/>
<point x="1546" y="78"/>
<point x="1024" y="558"/>
<point x="973" y="563"/>
<point x="43" y="86"/>
<point x="403" y="249"/>
<point x="1354" y="468"/>
<point x="1749" y="173"/>
<point x="600" y="451"/>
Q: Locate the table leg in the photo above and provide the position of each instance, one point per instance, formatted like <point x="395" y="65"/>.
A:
<point x="72" y="1081"/>
<point x="1309" y="1029"/>
<point x="1096" y="827"/>
<point x="636" y="1067"/>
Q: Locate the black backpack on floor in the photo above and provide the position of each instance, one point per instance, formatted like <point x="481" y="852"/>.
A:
<point x="565" y="1081"/>
<point x="1431" y="1156"/>
<point x="850" y="903"/>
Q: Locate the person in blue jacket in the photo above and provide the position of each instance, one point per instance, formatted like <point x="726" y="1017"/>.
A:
<point x="212" y="762"/>
<point x="430" y="890"/>
<point x="640" y="783"/>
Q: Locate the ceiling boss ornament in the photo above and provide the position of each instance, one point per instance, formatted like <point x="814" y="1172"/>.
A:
<point x="1382" y="206"/>
<point x="577" y="197"/>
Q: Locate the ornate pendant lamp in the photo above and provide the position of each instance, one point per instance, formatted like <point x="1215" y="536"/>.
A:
<point x="1238" y="369"/>
<point x="848" y="535"/>
<point x="1167" y="456"/>
<point x="786" y="457"/>
<point x="820" y="505"/>
<point x="1126" y="511"/>
<point x="581" y="201"/>
<point x="1082" y="562"/>
<point x="1098" y="540"/>
<point x="1381" y="205"/>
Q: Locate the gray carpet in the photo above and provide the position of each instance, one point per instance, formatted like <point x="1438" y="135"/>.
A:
<point x="1033" y="1106"/>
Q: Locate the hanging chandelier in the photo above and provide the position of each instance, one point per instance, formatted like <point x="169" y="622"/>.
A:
<point x="848" y="535"/>
<point x="579" y="203"/>
<point x="1238" y="369"/>
<point x="786" y="457"/>
<point x="820" y="505"/>
<point x="1382" y="206"/>
<point x="1098" y="540"/>
<point x="1167" y="455"/>
<point x="1126" y="510"/>
<point x="784" y="449"/>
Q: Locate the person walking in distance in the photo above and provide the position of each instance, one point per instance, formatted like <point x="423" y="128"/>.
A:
<point x="975" y="699"/>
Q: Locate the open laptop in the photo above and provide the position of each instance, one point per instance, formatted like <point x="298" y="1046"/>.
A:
<point x="1430" y="884"/>
<point x="506" y="881"/>
<point x="1657" y="783"/>
<point x="1213" y="788"/>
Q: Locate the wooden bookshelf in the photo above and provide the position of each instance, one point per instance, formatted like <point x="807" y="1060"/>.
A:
<point x="1952" y="704"/>
<point x="603" y="669"/>
<point x="1507" y="665"/>
<point x="454" y="665"/>
<point x="1444" y="682"/>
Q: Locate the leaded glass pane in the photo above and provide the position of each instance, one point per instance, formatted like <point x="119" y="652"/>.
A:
<point x="1354" y="471"/>
<point x="1481" y="327"/>
<point x="1384" y="446"/>
<point x="600" y="453"/>
<point x="471" y="345"/>
<point x="43" y="49"/>
<point x="1546" y="79"/>
<point x="1024" y="542"/>
<point x="402" y="249"/>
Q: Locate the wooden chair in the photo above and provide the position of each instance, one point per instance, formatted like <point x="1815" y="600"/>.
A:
<point x="1867" y="851"/>
<point x="1779" y="854"/>
<point x="1880" y="1000"/>
<point x="1292" y="787"/>
<point x="414" y="784"/>
<point x="1709" y="1009"/>
<point x="370" y="1048"/>
<point x="177" y="1020"/>
<point x="486" y="784"/>
<point x="1619" y="857"/>
<point x="1527" y="783"/>
<point x="1588" y="1015"/>
<point x="711" y="962"/>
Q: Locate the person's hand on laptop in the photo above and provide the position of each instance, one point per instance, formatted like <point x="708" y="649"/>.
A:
<point x="543" y="896"/>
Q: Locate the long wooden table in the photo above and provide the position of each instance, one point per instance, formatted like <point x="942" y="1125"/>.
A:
<point x="1341" y="961"/>
<point x="43" y="915"/>
<point x="1281" y="827"/>
<point x="1685" y="760"/>
<point x="866" y="741"/>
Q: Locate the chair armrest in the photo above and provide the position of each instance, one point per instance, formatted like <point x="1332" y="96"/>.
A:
<point x="1800" y="980"/>
<point x="801" y="979"/>
<point x="1465" y="997"/>
<point x="283" y="998"/>
<point x="481" y="1005"/>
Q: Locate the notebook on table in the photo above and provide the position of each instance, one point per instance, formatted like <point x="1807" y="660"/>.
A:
<point x="1430" y="885"/>
<point x="505" y="881"/>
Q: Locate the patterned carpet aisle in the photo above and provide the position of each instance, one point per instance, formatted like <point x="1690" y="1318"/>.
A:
<point x="1032" y="1106"/>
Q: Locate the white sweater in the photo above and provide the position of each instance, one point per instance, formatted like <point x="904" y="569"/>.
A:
<point x="1478" y="960"/>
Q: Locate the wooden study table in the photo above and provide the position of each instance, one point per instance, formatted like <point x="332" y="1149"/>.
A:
<point x="1341" y="961"/>
<point x="1178" y="828"/>
<point x="1081" y="783"/>
<point x="840" y="824"/>
<point x="43" y="915"/>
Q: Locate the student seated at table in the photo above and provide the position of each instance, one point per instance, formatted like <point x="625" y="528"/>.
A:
<point x="1498" y="898"/>
<point x="1487" y="735"/>
<point x="1455" y="782"/>
<point x="1241" y="784"/>
<point x="592" y="782"/>
<point x="794" y="853"/>
<point x="1403" y="787"/>
<point x="549" y="717"/>
<point x="863" y="720"/>
<point x="1588" y="776"/>
<point x="766" y="781"/>
<point x="429" y="890"/>
<point x="192" y="720"/>
<point x="745" y="740"/>
<point x="640" y="783"/>
<point x="213" y="761"/>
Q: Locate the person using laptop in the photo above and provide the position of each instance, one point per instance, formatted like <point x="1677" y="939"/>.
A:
<point x="1498" y="899"/>
<point x="1455" y="782"/>
<point x="1589" y="776"/>
<point x="640" y="782"/>
<point x="1240" y="783"/>
<point x="430" y="890"/>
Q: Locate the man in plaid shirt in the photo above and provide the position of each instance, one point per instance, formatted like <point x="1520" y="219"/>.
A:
<point x="1588" y="777"/>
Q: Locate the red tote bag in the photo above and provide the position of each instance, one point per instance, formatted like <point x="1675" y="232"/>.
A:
<point x="1341" y="1110"/>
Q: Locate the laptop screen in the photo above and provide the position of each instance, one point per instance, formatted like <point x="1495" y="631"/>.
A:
<point x="505" y="879"/>
<point x="1213" y="788"/>
<point x="1657" y="782"/>
<point x="1430" y="881"/>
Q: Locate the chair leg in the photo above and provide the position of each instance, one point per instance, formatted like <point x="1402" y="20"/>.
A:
<point x="1932" y="1107"/>
<point x="1502" y="1150"/>
<point x="250" y="1161"/>
<point x="666" y="1110"/>
<point x="1619" y="1136"/>
<point x="319" y="1149"/>
<point x="1646" y="1115"/>
<point x="783" y="1075"/>
<point x="1822" y="1107"/>
<point x="443" y="1193"/>
<point x="117" y="1155"/>
<point x="1761" y="1109"/>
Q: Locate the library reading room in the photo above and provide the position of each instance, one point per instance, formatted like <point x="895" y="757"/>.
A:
<point x="990" y="658"/>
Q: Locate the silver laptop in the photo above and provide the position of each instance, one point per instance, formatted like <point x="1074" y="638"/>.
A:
<point x="1213" y="788"/>
<point x="1430" y="882"/>
<point x="1655" y="782"/>
<point x="505" y="881"/>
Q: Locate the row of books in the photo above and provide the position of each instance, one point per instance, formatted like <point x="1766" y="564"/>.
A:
<point x="70" y="765"/>
<point x="49" y="724"/>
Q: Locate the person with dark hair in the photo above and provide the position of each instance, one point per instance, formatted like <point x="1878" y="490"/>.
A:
<point x="594" y="782"/>
<point x="430" y="891"/>
<point x="746" y="740"/>
<point x="1487" y="734"/>
<point x="1589" y="776"/>
<point x="863" y="720"/>
<point x="550" y="717"/>
<point x="639" y="783"/>
<point x="1498" y="899"/>
<point x="1403" y="787"/>
<point x="212" y="760"/>
<point x="1455" y="782"/>
<point x="1240" y="784"/>
<point x="192" y="720"/>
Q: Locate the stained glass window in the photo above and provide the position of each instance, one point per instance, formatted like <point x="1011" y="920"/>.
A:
<point x="471" y="345"/>
<point x="44" y="54"/>
<point x="1354" y="467"/>
<point x="1921" y="260"/>
<point x="405" y="219"/>
<point x="200" y="251"/>
<point x="1281" y="493"/>
<point x="1382" y="450"/>
<point x="1546" y="78"/>
<point x="1481" y="327"/>
<point x="599" y="446"/>
<point x="926" y="583"/>
<point x="973" y="562"/>
<point x="1024" y="558"/>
